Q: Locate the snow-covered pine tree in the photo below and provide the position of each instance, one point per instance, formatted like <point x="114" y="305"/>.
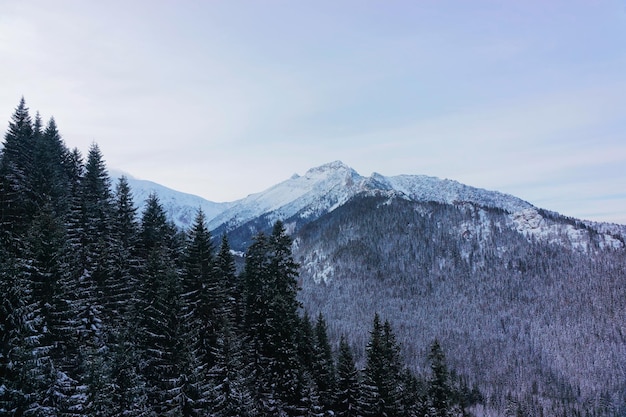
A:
<point x="371" y="401"/>
<point x="231" y="378"/>
<point x="46" y="246"/>
<point x="392" y="389"/>
<point x="122" y="307"/>
<point x="31" y="237"/>
<point x="324" y="366"/>
<point x="381" y="390"/>
<point x="90" y="240"/>
<point x="161" y="307"/>
<point x="272" y="321"/>
<point x="17" y="205"/>
<point x="225" y="272"/>
<point x="203" y="299"/>
<point x="51" y="179"/>
<point x="439" y="392"/>
<point x="348" y="388"/>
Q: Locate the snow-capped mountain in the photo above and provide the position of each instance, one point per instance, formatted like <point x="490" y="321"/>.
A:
<point x="304" y="198"/>
<point x="318" y="191"/>
<point x="324" y="188"/>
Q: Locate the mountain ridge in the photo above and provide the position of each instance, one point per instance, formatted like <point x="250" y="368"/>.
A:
<point x="303" y="198"/>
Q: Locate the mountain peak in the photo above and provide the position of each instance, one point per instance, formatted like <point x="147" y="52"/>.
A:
<point x="330" y="167"/>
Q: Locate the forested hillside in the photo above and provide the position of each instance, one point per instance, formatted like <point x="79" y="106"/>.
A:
<point x="530" y="322"/>
<point x="406" y="308"/>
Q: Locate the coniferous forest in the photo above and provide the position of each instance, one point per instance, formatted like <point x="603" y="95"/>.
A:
<point x="107" y="311"/>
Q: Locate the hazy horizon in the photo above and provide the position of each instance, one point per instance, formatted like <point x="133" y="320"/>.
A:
<point x="225" y="99"/>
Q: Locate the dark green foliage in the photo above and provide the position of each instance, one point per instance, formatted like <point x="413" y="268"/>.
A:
<point x="381" y="389"/>
<point x="272" y="321"/>
<point x="306" y="343"/>
<point x="230" y="377"/>
<point x="439" y="391"/>
<point x="203" y="300"/>
<point x="324" y="366"/>
<point x="160" y="312"/>
<point x="51" y="177"/>
<point x="17" y="198"/>
<point x="129" y="396"/>
<point x="231" y="287"/>
<point x="348" y="388"/>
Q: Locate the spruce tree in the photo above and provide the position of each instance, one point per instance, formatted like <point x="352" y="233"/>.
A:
<point x="122" y="307"/>
<point x="272" y="320"/>
<point x="324" y="367"/>
<point x="230" y="377"/>
<point x="161" y="309"/>
<point x="381" y="389"/>
<point x="348" y="388"/>
<point x="203" y="299"/>
<point x="232" y="288"/>
<point x="31" y="240"/>
<point x="392" y="389"/>
<point x="17" y="205"/>
<point x="439" y="392"/>
<point x="91" y="240"/>
<point x="46" y="246"/>
<point x="51" y="181"/>
<point x="371" y="401"/>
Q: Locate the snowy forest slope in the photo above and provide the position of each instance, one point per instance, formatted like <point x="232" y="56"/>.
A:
<point x="522" y="315"/>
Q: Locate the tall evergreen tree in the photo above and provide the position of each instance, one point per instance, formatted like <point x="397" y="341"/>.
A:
<point x="381" y="395"/>
<point x="17" y="205"/>
<point x="203" y="299"/>
<point x="348" y="388"/>
<point x="230" y="377"/>
<point x="122" y="308"/>
<point x="46" y="248"/>
<point x="439" y="392"/>
<point x="161" y="313"/>
<point x="324" y="367"/>
<point x="51" y="181"/>
<point x="226" y="274"/>
<point x="371" y="401"/>
<point x="125" y="263"/>
<point x="272" y="320"/>
<point x="91" y="239"/>
<point x="31" y="236"/>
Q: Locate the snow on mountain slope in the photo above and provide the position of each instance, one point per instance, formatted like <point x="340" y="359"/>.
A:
<point x="180" y="207"/>
<point x="324" y="188"/>
<point x="318" y="191"/>
<point x="425" y="188"/>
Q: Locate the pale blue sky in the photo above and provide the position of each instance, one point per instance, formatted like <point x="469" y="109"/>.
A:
<point x="226" y="98"/>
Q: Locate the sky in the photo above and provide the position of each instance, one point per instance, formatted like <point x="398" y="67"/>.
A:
<point x="226" y="98"/>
